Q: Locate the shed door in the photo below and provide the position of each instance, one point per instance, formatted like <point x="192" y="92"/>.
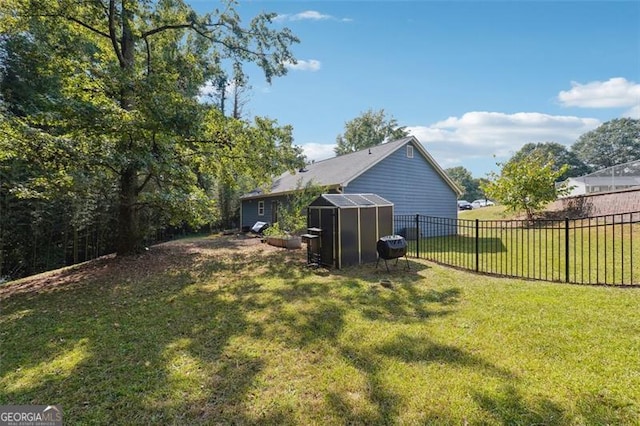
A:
<point x="349" y="237"/>
<point x="329" y="231"/>
<point x="368" y="235"/>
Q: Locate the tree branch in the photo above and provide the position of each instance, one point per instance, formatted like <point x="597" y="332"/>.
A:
<point x="144" y="183"/>
<point x="112" y="32"/>
<point x="164" y="28"/>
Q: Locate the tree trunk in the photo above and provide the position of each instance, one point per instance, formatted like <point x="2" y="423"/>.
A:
<point x="128" y="226"/>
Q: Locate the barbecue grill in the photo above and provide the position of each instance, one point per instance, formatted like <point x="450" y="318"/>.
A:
<point x="391" y="247"/>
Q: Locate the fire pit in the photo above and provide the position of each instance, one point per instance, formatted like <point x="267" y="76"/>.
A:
<point x="391" y="247"/>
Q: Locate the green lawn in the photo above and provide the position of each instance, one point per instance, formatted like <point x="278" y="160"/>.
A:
<point x="605" y="254"/>
<point x="209" y="331"/>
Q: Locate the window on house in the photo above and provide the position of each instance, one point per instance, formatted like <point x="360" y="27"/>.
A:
<point x="260" y="208"/>
<point x="409" y="151"/>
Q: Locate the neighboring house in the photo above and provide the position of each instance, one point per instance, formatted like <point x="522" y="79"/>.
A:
<point x="616" y="178"/>
<point x="400" y="171"/>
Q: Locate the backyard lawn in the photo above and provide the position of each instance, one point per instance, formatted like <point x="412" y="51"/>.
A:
<point x="222" y="330"/>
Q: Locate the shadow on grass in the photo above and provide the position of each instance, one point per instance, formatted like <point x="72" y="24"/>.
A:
<point x="412" y="349"/>
<point x="461" y="244"/>
<point x="187" y="333"/>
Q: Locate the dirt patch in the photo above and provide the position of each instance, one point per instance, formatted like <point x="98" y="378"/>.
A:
<point x="173" y="256"/>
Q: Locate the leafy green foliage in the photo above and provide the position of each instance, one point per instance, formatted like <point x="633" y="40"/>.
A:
<point x="292" y="214"/>
<point x="112" y="107"/>
<point x="465" y="181"/>
<point x="614" y="142"/>
<point x="526" y="185"/>
<point x="369" y="129"/>
<point x="559" y="154"/>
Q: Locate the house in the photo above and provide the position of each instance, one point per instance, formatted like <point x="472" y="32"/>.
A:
<point x="400" y="171"/>
<point x="616" y="178"/>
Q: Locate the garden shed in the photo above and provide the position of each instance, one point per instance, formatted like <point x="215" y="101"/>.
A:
<point x="351" y="225"/>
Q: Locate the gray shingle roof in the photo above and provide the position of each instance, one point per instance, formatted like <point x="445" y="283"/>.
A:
<point x="340" y="170"/>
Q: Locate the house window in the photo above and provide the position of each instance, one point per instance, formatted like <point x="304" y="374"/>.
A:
<point x="260" y="208"/>
<point x="409" y="151"/>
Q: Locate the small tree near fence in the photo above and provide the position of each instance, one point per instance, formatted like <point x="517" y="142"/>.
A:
<point x="526" y="184"/>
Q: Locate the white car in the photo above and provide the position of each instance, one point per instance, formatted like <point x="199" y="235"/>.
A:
<point x="482" y="203"/>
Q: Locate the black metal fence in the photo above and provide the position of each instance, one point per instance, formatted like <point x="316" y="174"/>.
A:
<point x="595" y="250"/>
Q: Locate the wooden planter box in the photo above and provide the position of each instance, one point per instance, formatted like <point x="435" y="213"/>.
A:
<point x="285" y="242"/>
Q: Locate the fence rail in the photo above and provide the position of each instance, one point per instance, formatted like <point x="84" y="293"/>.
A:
<point x="596" y="250"/>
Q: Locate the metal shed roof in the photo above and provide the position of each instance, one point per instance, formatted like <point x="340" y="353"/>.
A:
<point x="351" y="200"/>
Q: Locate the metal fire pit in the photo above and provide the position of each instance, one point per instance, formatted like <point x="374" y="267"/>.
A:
<point x="391" y="247"/>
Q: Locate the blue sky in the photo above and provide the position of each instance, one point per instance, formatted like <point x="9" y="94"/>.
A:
<point x="472" y="80"/>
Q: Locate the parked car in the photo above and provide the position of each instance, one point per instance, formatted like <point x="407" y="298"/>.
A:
<point x="464" y="205"/>
<point x="482" y="203"/>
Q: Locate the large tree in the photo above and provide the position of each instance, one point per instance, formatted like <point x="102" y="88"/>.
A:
<point x="369" y="129"/>
<point x="128" y="75"/>
<point x="559" y="154"/>
<point x="614" y="142"/>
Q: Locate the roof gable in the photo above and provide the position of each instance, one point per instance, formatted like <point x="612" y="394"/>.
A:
<point x="339" y="171"/>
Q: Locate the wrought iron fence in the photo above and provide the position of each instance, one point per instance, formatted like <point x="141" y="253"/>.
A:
<point x="595" y="250"/>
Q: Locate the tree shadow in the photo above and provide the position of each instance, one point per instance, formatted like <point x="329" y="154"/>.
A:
<point x="412" y="349"/>
<point x="169" y="340"/>
<point x="509" y="407"/>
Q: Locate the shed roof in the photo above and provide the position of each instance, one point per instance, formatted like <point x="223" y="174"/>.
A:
<point x="339" y="171"/>
<point x="351" y="200"/>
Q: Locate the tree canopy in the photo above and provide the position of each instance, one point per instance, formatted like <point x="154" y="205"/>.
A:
<point x="369" y="129"/>
<point x="100" y="102"/>
<point x="614" y="142"/>
<point x="559" y="154"/>
<point x="465" y="181"/>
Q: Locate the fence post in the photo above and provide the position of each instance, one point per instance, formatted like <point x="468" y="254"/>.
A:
<point x="477" y="245"/>
<point x="566" y="249"/>
<point x="418" y="236"/>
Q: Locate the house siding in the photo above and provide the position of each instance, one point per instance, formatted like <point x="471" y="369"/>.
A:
<point x="411" y="184"/>
<point x="249" y="213"/>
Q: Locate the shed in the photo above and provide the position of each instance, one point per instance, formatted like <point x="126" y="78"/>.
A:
<point x="351" y="225"/>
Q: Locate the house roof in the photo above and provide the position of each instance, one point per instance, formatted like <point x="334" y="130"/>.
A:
<point x="339" y="171"/>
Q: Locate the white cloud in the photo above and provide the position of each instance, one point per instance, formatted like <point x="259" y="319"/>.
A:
<point x="309" y="15"/>
<point x="613" y="93"/>
<point x="633" y="112"/>
<point x="481" y="134"/>
<point x="303" y="65"/>
<point x="318" y="151"/>
<point x="207" y="91"/>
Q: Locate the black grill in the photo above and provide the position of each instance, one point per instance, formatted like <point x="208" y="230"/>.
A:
<point x="391" y="247"/>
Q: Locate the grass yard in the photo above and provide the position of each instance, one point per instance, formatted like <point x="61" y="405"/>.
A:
<point x="601" y="251"/>
<point x="606" y="254"/>
<point x="228" y="331"/>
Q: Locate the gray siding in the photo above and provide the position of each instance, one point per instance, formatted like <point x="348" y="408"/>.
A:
<point x="249" y="215"/>
<point x="411" y="184"/>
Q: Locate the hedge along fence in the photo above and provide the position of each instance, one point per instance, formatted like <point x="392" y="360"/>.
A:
<point x="596" y="250"/>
